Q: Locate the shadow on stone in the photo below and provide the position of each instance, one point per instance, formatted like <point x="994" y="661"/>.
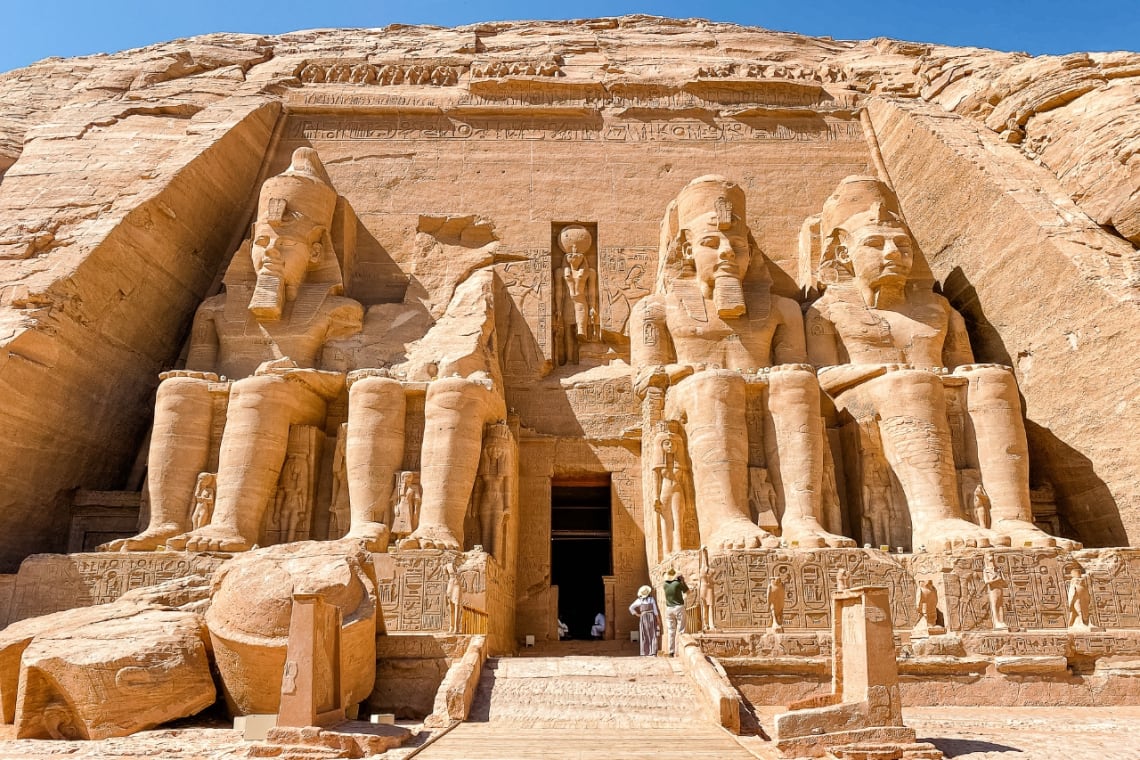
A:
<point x="961" y="747"/>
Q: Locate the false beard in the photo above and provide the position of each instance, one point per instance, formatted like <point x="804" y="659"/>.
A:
<point x="268" y="297"/>
<point x="728" y="297"/>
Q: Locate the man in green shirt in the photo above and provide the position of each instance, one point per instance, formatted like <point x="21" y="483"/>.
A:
<point x="675" y="589"/>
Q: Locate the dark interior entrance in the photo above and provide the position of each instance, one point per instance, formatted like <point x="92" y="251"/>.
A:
<point x="580" y="552"/>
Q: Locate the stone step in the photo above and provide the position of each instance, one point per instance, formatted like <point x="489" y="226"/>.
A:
<point x="689" y="738"/>
<point x="583" y="692"/>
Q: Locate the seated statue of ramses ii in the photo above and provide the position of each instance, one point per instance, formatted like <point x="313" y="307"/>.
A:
<point x="886" y="347"/>
<point x="266" y="333"/>
<point x="705" y="342"/>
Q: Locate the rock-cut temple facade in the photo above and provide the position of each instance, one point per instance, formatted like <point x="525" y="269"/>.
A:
<point x="335" y="362"/>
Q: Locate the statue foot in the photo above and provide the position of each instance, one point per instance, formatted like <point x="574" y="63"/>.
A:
<point x="430" y="538"/>
<point x="741" y="534"/>
<point x="209" y="538"/>
<point x="809" y="534"/>
<point x="151" y="539"/>
<point x="1024" y="533"/>
<point x="954" y="533"/>
<point x="373" y="534"/>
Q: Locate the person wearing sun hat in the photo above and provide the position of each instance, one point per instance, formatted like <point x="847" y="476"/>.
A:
<point x="675" y="590"/>
<point x="649" y="625"/>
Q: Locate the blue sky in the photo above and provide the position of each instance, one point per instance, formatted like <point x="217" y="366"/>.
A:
<point x="35" y="29"/>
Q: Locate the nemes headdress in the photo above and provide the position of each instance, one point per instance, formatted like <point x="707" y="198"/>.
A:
<point x="858" y="201"/>
<point x="299" y="199"/>
<point x="713" y="200"/>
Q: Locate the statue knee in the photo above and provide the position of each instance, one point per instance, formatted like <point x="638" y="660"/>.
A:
<point x="476" y="397"/>
<point x="258" y="388"/>
<point x="375" y="393"/>
<point x="794" y="383"/>
<point x="989" y="383"/>
<point x="175" y="394"/>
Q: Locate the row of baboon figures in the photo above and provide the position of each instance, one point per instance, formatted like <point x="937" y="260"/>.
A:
<point x="731" y="375"/>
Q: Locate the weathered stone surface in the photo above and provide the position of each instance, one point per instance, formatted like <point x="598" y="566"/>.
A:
<point x="249" y="618"/>
<point x="74" y="659"/>
<point x="114" y="677"/>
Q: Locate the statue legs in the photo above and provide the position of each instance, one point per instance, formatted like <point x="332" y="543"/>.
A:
<point x="179" y="451"/>
<point x="373" y="454"/>
<point x="261" y="410"/>
<point x="712" y="404"/>
<point x="994" y="409"/>
<point x="793" y="403"/>
<point x="911" y="410"/>
<point x="456" y="409"/>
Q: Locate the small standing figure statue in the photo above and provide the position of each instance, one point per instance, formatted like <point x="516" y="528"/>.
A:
<point x="204" y="493"/>
<point x="981" y="506"/>
<point x="671" y="475"/>
<point x="926" y="604"/>
<point x="995" y="589"/>
<point x="575" y="297"/>
<point x="339" y="510"/>
<point x="1079" y="599"/>
<point x="707" y="590"/>
<point x="454" y="594"/>
<point x="776" y="596"/>
<point x="406" y="503"/>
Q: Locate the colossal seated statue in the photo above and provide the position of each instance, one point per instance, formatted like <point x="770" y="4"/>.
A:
<point x="699" y="343"/>
<point x="882" y="341"/>
<point x="281" y="305"/>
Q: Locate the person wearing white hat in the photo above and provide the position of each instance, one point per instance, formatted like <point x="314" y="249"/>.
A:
<point x="644" y="607"/>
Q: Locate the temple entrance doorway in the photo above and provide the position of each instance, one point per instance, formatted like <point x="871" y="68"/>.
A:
<point x="581" y="551"/>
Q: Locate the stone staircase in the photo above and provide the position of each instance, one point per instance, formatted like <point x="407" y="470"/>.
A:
<point x="584" y="708"/>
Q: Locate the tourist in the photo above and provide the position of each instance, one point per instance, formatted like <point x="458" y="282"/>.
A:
<point x="675" y="590"/>
<point x="644" y="607"/>
<point x="598" y="629"/>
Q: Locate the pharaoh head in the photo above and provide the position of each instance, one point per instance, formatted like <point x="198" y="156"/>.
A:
<point x="864" y="235"/>
<point x="704" y="236"/>
<point x="291" y="232"/>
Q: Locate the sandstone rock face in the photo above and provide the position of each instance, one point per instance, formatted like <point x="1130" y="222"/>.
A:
<point x="466" y="159"/>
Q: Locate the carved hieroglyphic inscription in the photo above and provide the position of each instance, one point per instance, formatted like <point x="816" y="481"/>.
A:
<point x="412" y="585"/>
<point x="741" y="581"/>
<point x="405" y="127"/>
<point x="626" y="276"/>
<point x="528" y="282"/>
<point x="1035" y="597"/>
<point x="51" y="582"/>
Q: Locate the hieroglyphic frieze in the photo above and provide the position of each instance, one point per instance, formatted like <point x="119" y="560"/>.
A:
<point x="741" y="578"/>
<point x="763" y="93"/>
<point x="415" y="127"/>
<point x="51" y="582"/>
<point x="1034" y="598"/>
